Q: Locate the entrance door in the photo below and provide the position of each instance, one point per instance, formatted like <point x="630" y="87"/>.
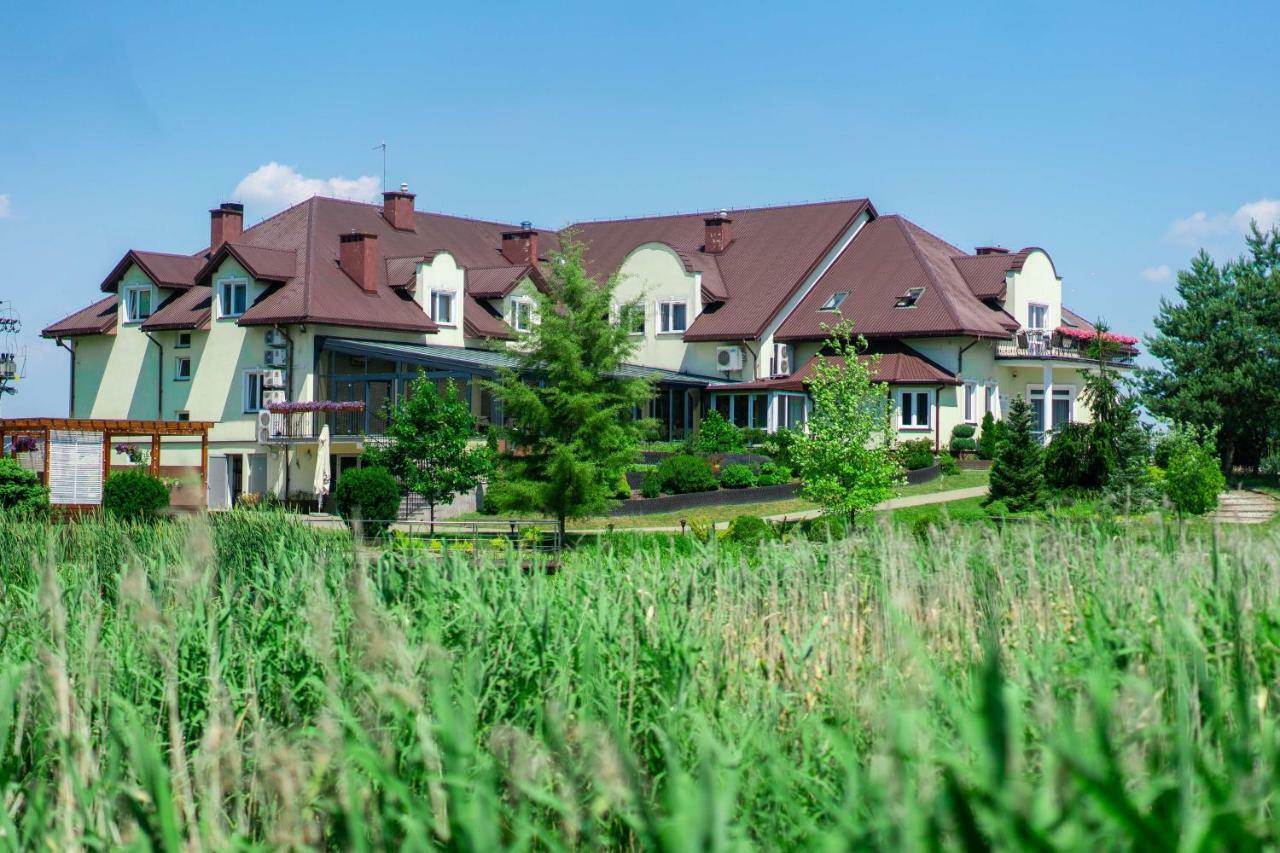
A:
<point x="258" y="473"/>
<point x="235" y="475"/>
<point x="219" y="493"/>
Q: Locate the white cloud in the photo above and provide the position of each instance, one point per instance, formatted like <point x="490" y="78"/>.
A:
<point x="1201" y="227"/>
<point x="274" y="186"/>
<point x="6" y="206"/>
<point x="1158" y="274"/>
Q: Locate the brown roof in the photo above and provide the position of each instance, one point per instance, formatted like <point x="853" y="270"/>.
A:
<point x="164" y="269"/>
<point x="985" y="274"/>
<point x="494" y="282"/>
<point x="261" y="262"/>
<point x="186" y="310"/>
<point x="889" y="256"/>
<point x="479" y="321"/>
<point x="773" y="250"/>
<point x="98" y="319"/>
<point x="899" y="365"/>
<point x="1071" y="318"/>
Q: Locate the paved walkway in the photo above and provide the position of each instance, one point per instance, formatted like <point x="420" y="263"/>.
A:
<point x="893" y="503"/>
<point x="1243" y="506"/>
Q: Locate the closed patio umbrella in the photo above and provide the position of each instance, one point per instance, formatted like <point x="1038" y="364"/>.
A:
<point x="321" y="485"/>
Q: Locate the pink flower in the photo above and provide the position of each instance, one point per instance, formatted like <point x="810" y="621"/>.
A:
<point x="325" y="406"/>
<point x="1086" y="335"/>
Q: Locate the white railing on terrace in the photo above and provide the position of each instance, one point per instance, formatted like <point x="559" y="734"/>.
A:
<point x="1043" y="343"/>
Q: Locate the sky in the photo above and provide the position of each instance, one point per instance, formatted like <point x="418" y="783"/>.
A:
<point x="1119" y="137"/>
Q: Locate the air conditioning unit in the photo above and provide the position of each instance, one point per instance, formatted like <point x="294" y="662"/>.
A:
<point x="276" y="338"/>
<point x="264" y="420"/>
<point x="264" y="435"/>
<point x="273" y="379"/>
<point x="276" y="358"/>
<point x="270" y="397"/>
<point x="729" y="358"/>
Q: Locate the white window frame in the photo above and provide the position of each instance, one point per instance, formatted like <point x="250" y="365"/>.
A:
<point x="667" y="314"/>
<point x="178" y="342"/>
<point x="834" y="301"/>
<point x="226" y="297"/>
<point x="971" y="402"/>
<point x="518" y="304"/>
<point x="1071" y="394"/>
<point x="177" y="368"/>
<point x="452" y="297"/>
<point x="131" y="314"/>
<point x="915" y="425"/>
<point x="1044" y="320"/>
<point x="639" y="307"/>
<point x="255" y="406"/>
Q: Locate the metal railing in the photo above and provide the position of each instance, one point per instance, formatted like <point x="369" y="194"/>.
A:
<point x="1042" y="343"/>
<point x="494" y="538"/>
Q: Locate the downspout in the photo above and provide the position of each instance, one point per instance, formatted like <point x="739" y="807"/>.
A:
<point x="288" y="397"/>
<point x="159" y="378"/>
<point x="71" y="410"/>
<point x="960" y="355"/>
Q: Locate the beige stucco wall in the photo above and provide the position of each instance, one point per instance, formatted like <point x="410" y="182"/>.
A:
<point x="1035" y="283"/>
<point x="443" y="274"/>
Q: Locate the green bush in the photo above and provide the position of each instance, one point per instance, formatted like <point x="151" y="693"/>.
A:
<point x="773" y="474"/>
<point x="750" y="531"/>
<point x="997" y="509"/>
<point x="623" y="492"/>
<point x="686" y="473"/>
<point x="754" y="436"/>
<point x="960" y="444"/>
<point x="949" y="465"/>
<point x="780" y="444"/>
<point x="915" y="454"/>
<point x="716" y="435"/>
<point x="370" y="494"/>
<point x="990" y="437"/>
<point x="651" y="485"/>
<point x="513" y="495"/>
<point x="737" y="476"/>
<point x="1193" y="479"/>
<point x="963" y="431"/>
<point x="1072" y="460"/>
<point x="134" y="496"/>
<point x="826" y="528"/>
<point x="21" y="490"/>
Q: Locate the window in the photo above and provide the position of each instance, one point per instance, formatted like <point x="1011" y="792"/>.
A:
<point x="442" y="307"/>
<point x="1036" y="315"/>
<point x="635" y="317"/>
<point x="233" y="298"/>
<point x="184" y="341"/>
<point x="182" y="368"/>
<point x="780" y="364"/>
<point x="914" y="409"/>
<point x="1062" y="406"/>
<point x="137" y="304"/>
<point x="835" y="301"/>
<point x="673" y="316"/>
<point x="183" y="417"/>
<point x="910" y="298"/>
<point x="971" y="402"/>
<point x="791" y="411"/>
<point x="522" y="315"/>
<point x="760" y="411"/>
<point x="253" y="391"/>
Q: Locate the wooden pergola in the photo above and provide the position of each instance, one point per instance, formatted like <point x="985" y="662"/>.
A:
<point x="112" y="429"/>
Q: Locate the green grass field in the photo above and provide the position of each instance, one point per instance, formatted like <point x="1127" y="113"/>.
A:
<point x="254" y="684"/>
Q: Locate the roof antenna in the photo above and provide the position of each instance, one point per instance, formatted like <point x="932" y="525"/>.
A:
<point x="383" y="146"/>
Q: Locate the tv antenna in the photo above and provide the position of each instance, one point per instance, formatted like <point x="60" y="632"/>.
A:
<point x="383" y="146"/>
<point x="13" y="357"/>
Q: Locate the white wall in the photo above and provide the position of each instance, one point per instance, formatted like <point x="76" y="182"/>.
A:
<point x="1035" y="283"/>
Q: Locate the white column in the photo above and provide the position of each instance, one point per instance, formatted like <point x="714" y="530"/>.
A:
<point x="1048" y="399"/>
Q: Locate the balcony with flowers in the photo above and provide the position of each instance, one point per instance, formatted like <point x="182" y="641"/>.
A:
<point x="1070" y="343"/>
<point x="301" y="421"/>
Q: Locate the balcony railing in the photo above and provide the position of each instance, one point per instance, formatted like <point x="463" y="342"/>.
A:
<point x="285" y="423"/>
<point x="1044" y="343"/>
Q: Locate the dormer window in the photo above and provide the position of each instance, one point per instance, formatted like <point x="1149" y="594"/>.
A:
<point x="137" y="304"/>
<point x="522" y="314"/>
<point x="834" y="302"/>
<point x="233" y="298"/>
<point x="910" y="298"/>
<point x="442" y="307"/>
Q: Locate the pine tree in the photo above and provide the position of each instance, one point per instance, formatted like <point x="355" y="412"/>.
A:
<point x="568" y="409"/>
<point x="1017" y="474"/>
<point x="988" y="437"/>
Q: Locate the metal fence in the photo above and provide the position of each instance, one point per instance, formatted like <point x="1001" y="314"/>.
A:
<point x="488" y="537"/>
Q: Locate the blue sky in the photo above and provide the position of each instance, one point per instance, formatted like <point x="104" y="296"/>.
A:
<point x="1120" y="137"/>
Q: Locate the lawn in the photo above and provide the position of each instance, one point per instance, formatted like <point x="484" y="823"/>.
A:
<point x="965" y="479"/>
<point x="258" y="684"/>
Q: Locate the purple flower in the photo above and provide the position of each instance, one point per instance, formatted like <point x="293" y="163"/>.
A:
<point x="326" y="406"/>
<point x="25" y="444"/>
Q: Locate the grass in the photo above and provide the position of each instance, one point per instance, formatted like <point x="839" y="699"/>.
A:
<point x="965" y="479"/>
<point x="255" y="683"/>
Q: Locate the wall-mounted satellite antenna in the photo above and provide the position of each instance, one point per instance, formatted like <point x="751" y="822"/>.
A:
<point x="13" y="356"/>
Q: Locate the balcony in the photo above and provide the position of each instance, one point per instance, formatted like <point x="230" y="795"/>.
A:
<point x="1066" y="345"/>
<point x="300" y="422"/>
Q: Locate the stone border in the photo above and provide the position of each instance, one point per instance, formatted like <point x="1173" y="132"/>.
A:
<point x="719" y="497"/>
<point x="924" y="475"/>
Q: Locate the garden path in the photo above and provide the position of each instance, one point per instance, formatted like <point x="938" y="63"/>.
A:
<point x="1244" y="506"/>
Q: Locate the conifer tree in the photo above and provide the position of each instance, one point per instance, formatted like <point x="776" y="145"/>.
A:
<point x="1017" y="474"/>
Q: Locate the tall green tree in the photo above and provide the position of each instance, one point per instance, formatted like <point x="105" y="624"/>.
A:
<point x="845" y="459"/>
<point x="1219" y="350"/>
<point x="570" y="412"/>
<point x="1017" y="473"/>
<point x="429" y="444"/>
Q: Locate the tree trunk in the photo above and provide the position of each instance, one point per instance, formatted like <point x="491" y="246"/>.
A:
<point x="560" y="530"/>
<point x="431" y="508"/>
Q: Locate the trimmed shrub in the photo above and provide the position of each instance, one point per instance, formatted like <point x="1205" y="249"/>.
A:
<point x="773" y="474"/>
<point x="686" y="473"/>
<point x="1193" y="479"/>
<point x="963" y="431"/>
<point x="370" y="494"/>
<point x="990" y="437"/>
<point x="915" y="454"/>
<point x="651" y="485"/>
<point x="716" y="435"/>
<point x="749" y="531"/>
<point x="949" y="466"/>
<point x="963" y="445"/>
<point x="20" y="489"/>
<point x="134" y="496"/>
<point x="737" y="476"/>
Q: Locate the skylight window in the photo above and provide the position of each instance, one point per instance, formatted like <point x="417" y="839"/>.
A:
<point x="910" y="298"/>
<point x="835" y="301"/>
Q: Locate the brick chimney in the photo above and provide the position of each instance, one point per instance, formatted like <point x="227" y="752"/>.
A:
<point x="521" y="247"/>
<point x="397" y="208"/>
<point x="991" y="250"/>
<point x="358" y="257"/>
<point x="719" y="233"/>
<point x="226" y="223"/>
